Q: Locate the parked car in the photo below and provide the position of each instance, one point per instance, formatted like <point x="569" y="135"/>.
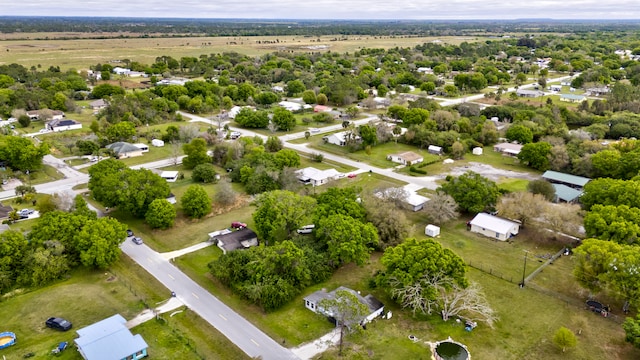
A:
<point x="307" y="229"/>
<point x="25" y="212"/>
<point x="129" y="233"/>
<point x="58" y="324"/>
<point x="351" y="176"/>
<point x="138" y="241"/>
<point x="238" y="225"/>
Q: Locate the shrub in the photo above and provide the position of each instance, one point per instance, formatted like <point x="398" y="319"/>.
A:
<point x="417" y="170"/>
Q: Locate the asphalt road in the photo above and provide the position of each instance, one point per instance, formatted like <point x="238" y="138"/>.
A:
<point x="236" y="328"/>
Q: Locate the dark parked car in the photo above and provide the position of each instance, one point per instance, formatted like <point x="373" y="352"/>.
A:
<point x="129" y="233"/>
<point x="136" y="240"/>
<point x="58" y="323"/>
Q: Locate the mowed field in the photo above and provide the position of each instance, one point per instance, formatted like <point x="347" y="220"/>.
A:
<point x="80" y="53"/>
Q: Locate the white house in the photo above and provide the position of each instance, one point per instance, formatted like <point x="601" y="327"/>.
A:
<point x="410" y="199"/>
<point x="291" y="106"/>
<point x="508" y="149"/>
<point x="170" y="176"/>
<point x="63" y="125"/>
<point x="312" y="302"/>
<point x="315" y="177"/>
<point x="340" y="138"/>
<point x="494" y="227"/>
<point x="406" y="158"/>
<point x="416" y="202"/>
<point x="157" y="142"/>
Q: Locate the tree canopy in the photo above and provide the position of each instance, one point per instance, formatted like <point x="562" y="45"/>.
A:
<point x="21" y="153"/>
<point x="280" y="213"/>
<point x="473" y="192"/>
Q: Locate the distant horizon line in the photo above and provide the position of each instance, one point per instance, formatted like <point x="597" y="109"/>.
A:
<point x="319" y="19"/>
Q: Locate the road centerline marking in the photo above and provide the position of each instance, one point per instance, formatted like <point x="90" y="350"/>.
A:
<point x="223" y="318"/>
<point x="253" y="341"/>
<point x="196" y="296"/>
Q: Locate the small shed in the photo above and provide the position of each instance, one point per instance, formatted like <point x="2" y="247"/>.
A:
<point x="157" y="142"/>
<point x="437" y="150"/>
<point x="432" y="230"/>
<point x="477" y="151"/>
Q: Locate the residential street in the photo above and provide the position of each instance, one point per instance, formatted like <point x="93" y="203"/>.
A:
<point x="236" y="328"/>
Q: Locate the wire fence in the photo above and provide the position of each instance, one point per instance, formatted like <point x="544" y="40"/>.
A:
<point x="568" y="300"/>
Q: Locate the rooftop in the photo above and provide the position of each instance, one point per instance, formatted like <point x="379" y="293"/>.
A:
<point x="493" y="223"/>
<point x="565" y="193"/>
<point x="108" y="339"/>
<point x="239" y="239"/>
<point x="565" y="178"/>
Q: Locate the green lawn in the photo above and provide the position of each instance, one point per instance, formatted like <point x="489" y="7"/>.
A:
<point x="293" y="322"/>
<point x="513" y="185"/>
<point x="378" y="155"/>
<point x="88" y="296"/>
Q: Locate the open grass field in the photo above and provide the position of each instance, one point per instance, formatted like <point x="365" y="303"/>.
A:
<point x="88" y="296"/>
<point x="528" y="318"/>
<point x="81" y="53"/>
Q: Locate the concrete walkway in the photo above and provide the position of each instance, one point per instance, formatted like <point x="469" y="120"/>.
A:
<point x="174" y="254"/>
<point x="148" y="314"/>
<point x="318" y="346"/>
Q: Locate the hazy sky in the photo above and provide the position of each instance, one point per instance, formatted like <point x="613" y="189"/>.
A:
<point x="330" y="9"/>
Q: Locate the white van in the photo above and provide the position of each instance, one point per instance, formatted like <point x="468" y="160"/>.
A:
<point x="307" y="229"/>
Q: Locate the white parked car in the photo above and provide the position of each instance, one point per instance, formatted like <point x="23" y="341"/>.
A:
<point x="307" y="229"/>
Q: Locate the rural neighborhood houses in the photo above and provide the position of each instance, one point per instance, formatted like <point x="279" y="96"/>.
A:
<point x="98" y="104"/>
<point x="312" y="301"/>
<point x="109" y="339"/>
<point x="341" y="138"/>
<point x="315" y="177"/>
<point x="229" y="240"/>
<point x="36" y="115"/>
<point x="436" y="150"/>
<point x="123" y="149"/>
<point x="63" y="125"/>
<point x="529" y="93"/>
<point x="494" y="227"/>
<point x="406" y="158"/>
<point x="508" y="149"/>
<point x="572" y="98"/>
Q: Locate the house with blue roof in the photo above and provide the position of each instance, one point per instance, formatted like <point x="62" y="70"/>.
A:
<point x="568" y="187"/>
<point x="109" y="339"/>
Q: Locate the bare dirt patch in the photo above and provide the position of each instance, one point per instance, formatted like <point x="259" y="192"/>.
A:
<point x="489" y="172"/>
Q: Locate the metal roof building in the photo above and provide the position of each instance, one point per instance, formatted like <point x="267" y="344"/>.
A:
<point x="109" y="339"/>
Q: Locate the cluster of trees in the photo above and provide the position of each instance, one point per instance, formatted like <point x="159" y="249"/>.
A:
<point x="21" y="154"/>
<point x="114" y="184"/>
<point x="425" y="277"/>
<point x="59" y="242"/>
<point x="253" y="165"/>
<point x="291" y="262"/>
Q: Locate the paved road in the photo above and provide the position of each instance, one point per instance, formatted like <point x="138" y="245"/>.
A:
<point x="236" y="328"/>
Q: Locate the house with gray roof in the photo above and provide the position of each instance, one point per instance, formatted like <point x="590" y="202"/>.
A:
<point x="230" y="240"/>
<point x="529" y="93"/>
<point x="109" y="339"/>
<point x="312" y="301"/>
<point x="123" y="150"/>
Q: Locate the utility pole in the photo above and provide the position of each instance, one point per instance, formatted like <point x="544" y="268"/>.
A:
<point x="524" y="269"/>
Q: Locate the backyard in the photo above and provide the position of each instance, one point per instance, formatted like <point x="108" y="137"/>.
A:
<point x="88" y="296"/>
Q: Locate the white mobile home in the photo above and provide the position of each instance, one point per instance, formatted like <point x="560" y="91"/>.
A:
<point x="494" y="227"/>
